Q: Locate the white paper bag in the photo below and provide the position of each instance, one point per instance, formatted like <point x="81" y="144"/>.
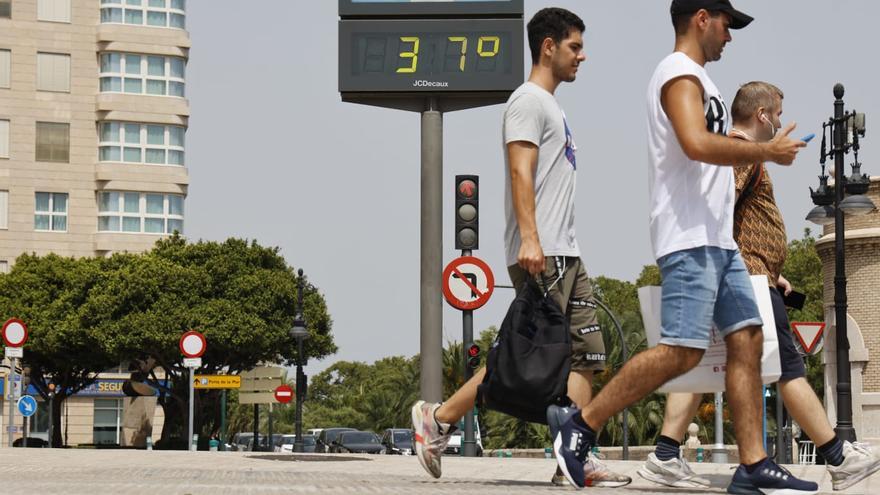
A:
<point x="708" y="376"/>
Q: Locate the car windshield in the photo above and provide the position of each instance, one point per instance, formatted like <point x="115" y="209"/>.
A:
<point x="402" y="437"/>
<point x="359" y="437"/>
<point x="308" y="440"/>
<point x="334" y="434"/>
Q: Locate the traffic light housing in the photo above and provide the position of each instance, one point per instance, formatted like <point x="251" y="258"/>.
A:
<point x="467" y="218"/>
<point x="473" y="359"/>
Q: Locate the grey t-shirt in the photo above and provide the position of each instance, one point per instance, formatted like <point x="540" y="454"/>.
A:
<point x="532" y="114"/>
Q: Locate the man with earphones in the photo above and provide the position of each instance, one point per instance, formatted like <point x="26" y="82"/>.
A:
<point x="760" y="234"/>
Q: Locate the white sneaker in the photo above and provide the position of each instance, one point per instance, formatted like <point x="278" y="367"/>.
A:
<point x="429" y="437"/>
<point x="674" y="472"/>
<point x="858" y="463"/>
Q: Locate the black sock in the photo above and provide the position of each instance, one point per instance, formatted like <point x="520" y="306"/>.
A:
<point x="591" y="433"/>
<point x="833" y="451"/>
<point x="667" y="448"/>
<point x="750" y="468"/>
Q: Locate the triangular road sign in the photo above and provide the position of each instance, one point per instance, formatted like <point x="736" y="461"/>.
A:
<point x="809" y="333"/>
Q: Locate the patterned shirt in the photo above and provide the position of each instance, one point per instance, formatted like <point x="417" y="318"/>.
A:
<point x="757" y="222"/>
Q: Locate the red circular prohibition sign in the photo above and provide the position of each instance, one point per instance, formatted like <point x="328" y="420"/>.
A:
<point x="190" y="345"/>
<point x="453" y="270"/>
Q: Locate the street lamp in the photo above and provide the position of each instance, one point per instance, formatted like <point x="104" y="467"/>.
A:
<point x="300" y="334"/>
<point x="831" y="204"/>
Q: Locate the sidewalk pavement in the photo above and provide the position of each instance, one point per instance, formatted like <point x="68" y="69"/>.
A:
<point x="134" y="472"/>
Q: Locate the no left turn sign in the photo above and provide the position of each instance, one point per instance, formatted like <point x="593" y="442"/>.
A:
<point x="467" y="283"/>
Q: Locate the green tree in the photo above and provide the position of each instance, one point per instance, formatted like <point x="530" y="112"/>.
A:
<point x="240" y="295"/>
<point x="65" y="344"/>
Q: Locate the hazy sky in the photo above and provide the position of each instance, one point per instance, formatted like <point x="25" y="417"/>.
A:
<point x="274" y="155"/>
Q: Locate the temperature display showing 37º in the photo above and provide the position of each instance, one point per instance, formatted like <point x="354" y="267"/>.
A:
<point x="430" y="55"/>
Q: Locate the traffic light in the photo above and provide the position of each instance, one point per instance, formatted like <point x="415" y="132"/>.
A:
<point x="473" y="356"/>
<point x="467" y="233"/>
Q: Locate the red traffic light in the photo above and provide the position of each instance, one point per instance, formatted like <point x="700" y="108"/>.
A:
<point x="467" y="188"/>
<point x="474" y="350"/>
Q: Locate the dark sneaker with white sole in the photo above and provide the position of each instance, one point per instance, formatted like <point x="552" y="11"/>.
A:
<point x="571" y="444"/>
<point x="769" y="479"/>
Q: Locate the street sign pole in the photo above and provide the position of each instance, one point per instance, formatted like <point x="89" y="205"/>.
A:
<point x="431" y="341"/>
<point x="223" y="420"/>
<point x="192" y="373"/>
<point x="11" y="398"/>
<point x="469" y="446"/>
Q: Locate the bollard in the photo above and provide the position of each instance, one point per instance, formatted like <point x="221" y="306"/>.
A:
<point x="699" y="454"/>
<point x="213" y="444"/>
<point x="195" y="442"/>
<point x="548" y="452"/>
<point x="149" y="443"/>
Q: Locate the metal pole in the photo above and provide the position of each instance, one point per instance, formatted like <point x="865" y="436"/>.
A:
<point x="256" y="447"/>
<point x="469" y="445"/>
<point x="189" y="437"/>
<point x="11" y="398"/>
<point x="223" y="420"/>
<point x="844" y="427"/>
<point x="431" y="317"/>
<point x="51" y="418"/>
<point x="270" y="445"/>
<point x="298" y="445"/>
<point x="781" y="451"/>
<point x="719" y="452"/>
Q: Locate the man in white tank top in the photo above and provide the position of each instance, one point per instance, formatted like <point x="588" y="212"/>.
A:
<point x="704" y="278"/>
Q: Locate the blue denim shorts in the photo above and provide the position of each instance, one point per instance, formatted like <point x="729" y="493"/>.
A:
<point x="701" y="287"/>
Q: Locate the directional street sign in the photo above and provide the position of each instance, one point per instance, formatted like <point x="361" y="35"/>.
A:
<point x="258" y="385"/>
<point x="15" y="333"/>
<point x="193" y="344"/>
<point x="27" y="406"/>
<point x="467" y="283"/>
<point x="217" y="381"/>
<point x="809" y="334"/>
<point x="284" y="394"/>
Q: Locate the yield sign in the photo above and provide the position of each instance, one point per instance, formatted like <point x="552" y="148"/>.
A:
<point x="809" y="334"/>
<point x="284" y="394"/>
<point x="467" y="283"/>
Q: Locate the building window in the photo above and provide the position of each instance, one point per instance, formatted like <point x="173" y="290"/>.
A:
<point x="5" y="67"/>
<point x="4" y="210"/>
<point x="158" y="13"/>
<point x="141" y="143"/>
<point x="142" y="74"/>
<point x="107" y="423"/>
<point x="53" y="142"/>
<point x="5" y="8"/>
<point x="4" y="266"/>
<point x="53" y="10"/>
<point x="140" y="213"/>
<point x="53" y="72"/>
<point x="4" y="138"/>
<point x="50" y="212"/>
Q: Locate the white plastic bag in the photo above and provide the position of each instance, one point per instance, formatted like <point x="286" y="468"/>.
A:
<point x="708" y="376"/>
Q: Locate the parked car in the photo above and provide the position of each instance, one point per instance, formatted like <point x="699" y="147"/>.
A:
<point x="285" y="443"/>
<point x="455" y="441"/>
<point x="358" y="442"/>
<point x="398" y="441"/>
<point x="314" y="432"/>
<point x="241" y="441"/>
<point x="265" y="444"/>
<point x="327" y="437"/>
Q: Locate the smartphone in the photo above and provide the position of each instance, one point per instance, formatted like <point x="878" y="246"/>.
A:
<point x="808" y="137"/>
<point x="794" y="299"/>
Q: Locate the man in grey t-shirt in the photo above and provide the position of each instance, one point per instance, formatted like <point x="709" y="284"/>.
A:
<point x="540" y="240"/>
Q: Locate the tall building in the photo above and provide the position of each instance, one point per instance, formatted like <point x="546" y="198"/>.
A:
<point x="93" y="118"/>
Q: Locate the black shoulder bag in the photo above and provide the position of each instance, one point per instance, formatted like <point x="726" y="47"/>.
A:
<point x="529" y="362"/>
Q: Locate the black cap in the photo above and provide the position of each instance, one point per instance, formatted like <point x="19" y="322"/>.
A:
<point x="738" y="20"/>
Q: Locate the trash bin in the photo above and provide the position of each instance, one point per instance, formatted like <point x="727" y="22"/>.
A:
<point x="213" y="444"/>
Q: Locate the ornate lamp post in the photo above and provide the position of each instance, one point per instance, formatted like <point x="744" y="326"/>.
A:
<point x="300" y="334"/>
<point x="846" y="195"/>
